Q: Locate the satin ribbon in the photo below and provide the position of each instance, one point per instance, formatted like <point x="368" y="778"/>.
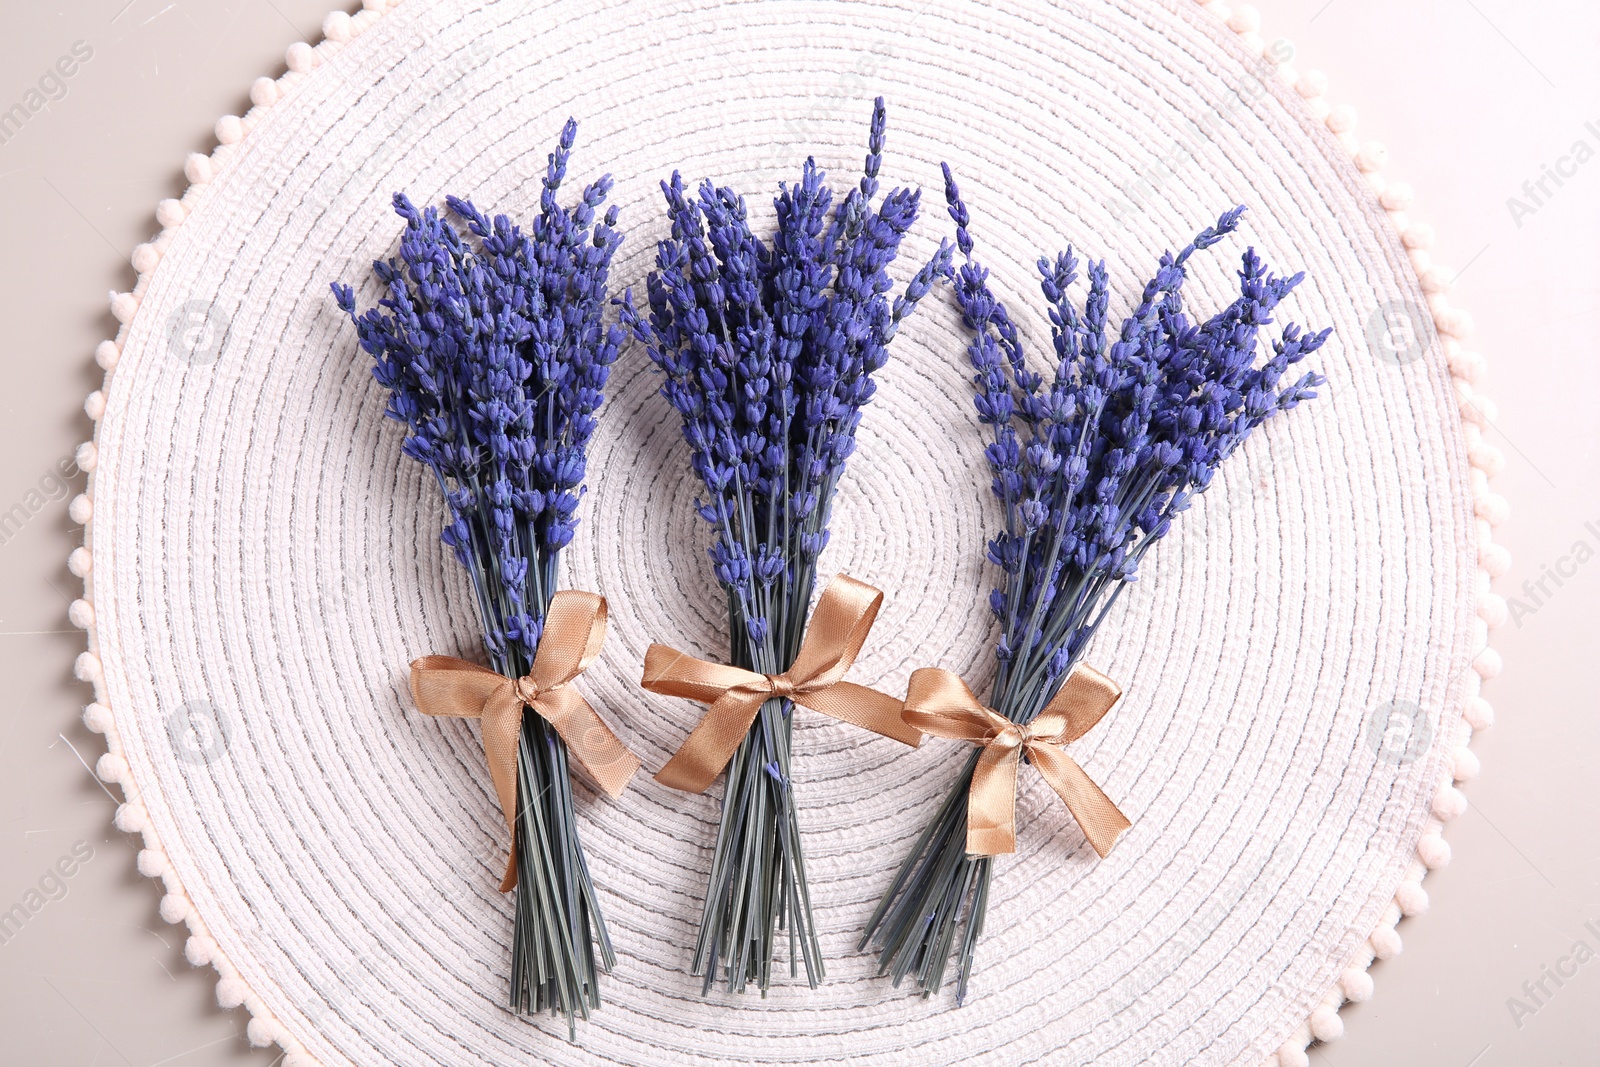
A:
<point x="939" y="703"/>
<point x="574" y="629"/>
<point x="838" y="628"/>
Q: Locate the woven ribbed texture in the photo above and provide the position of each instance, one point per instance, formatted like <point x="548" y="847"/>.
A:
<point x="263" y="562"/>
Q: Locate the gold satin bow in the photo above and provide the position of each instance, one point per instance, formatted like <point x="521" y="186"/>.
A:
<point x="939" y="703"/>
<point x="574" y="630"/>
<point x="839" y="625"/>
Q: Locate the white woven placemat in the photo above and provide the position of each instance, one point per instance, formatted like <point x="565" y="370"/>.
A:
<point x="1301" y="660"/>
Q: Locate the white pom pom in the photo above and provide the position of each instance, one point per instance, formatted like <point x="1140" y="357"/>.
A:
<point x="145" y="257"/>
<point x="124" y="306"/>
<point x="171" y="213"/>
<point x="111" y="768"/>
<point x="300" y="57"/>
<point x="81" y="562"/>
<point x="174" y="908"/>
<point x="1492" y="610"/>
<point x="1480" y="713"/>
<point x="81" y="614"/>
<point x="198" y="169"/>
<point x="1342" y="119"/>
<point x="1418" y="235"/>
<point x="263" y="1030"/>
<point x="1356" y="984"/>
<point x="336" y="27"/>
<point x="1372" y="156"/>
<point x="264" y="92"/>
<point x="1312" y="83"/>
<point x="1455" y="356"/>
<point x="1467" y="765"/>
<point x="106" y="354"/>
<point x="1488" y="664"/>
<point x="231" y="992"/>
<point x="1493" y="508"/>
<point x="1490" y="410"/>
<point x="1245" y="19"/>
<point x="1449" y="803"/>
<point x="97" y="717"/>
<point x="1434" y="851"/>
<point x="1412" y="898"/>
<point x="1385" y="943"/>
<point x="151" y="863"/>
<point x="81" y="510"/>
<point x="94" y="405"/>
<point x="1496" y="560"/>
<point x="86" y="456"/>
<point x="1487" y="458"/>
<point x="1433" y="278"/>
<point x="229" y="130"/>
<point x="200" y="950"/>
<point x="1457" y="323"/>
<point x="1397" y="197"/>
<point x="1421" y="261"/>
<point x="86" y="668"/>
<point x="1326" y="1024"/>
<point x="1293" y="1054"/>
<point x="131" y="818"/>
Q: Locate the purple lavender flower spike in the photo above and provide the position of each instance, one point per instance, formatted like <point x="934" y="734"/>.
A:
<point x="1091" y="465"/>
<point x="767" y="351"/>
<point x="492" y="349"/>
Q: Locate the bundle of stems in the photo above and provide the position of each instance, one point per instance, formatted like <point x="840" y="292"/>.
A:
<point x="768" y="352"/>
<point x="492" y="348"/>
<point x="1091" y="464"/>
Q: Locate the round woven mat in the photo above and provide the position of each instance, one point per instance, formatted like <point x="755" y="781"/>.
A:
<point x="1296" y="659"/>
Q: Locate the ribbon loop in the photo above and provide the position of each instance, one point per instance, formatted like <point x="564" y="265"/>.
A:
<point x="939" y="703"/>
<point x="839" y="626"/>
<point x="574" y="630"/>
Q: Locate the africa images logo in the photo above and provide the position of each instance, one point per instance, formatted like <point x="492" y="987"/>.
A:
<point x="50" y="87"/>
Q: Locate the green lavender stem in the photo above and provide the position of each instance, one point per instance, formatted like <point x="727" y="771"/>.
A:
<point x="757" y="885"/>
<point x="938" y="888"/>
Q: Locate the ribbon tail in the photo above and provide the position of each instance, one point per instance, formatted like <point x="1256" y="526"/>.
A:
<point x="1101" y="820"/>
<point x="712" y="743"/>
<point x="867" y="708"/>
<point x="992" y="801"/>
<point x="589" y="739"/>
<point x="502" y="727"/>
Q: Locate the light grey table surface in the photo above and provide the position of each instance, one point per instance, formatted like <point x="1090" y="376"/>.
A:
<point x="1473" y="98"/>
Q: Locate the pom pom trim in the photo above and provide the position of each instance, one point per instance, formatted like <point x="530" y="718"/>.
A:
<point x="201" y="949"/>
<point x="1466" y="368"/>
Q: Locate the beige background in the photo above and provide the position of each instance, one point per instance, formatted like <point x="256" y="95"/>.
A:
<point x="1473" y="98"/>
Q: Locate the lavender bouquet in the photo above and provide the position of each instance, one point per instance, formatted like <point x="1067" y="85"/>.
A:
<point x="492" y="349"/>
<point x="1091" y="464"/>
<point x="768" y="353"/>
